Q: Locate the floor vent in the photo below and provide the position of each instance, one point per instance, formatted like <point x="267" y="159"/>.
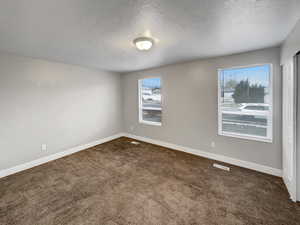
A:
<point x="219" y="166"/>
<point x="134" y="142"/>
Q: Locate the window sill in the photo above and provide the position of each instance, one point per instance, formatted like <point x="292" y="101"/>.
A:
<point x="247" y="137"/>
<point x="151" y="123"/>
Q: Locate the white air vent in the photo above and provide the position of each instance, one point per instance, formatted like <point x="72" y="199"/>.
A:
<point x="135" y="142"/>
<point x="221" y="167"/>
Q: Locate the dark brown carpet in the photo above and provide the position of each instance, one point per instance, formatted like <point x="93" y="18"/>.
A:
<point x="119" y="183"/>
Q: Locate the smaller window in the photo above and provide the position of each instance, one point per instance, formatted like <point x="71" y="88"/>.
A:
<point x="150" y="109"/>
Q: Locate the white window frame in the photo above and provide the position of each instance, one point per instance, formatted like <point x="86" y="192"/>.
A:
<point x="269" y="137"/>
<point x="140" y="108"/>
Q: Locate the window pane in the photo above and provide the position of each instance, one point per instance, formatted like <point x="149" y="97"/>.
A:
<point x="151" y="96"/>
<point x="245" y="101"/>
<point x="152" y="115"/>
<point x="151" y="99"/>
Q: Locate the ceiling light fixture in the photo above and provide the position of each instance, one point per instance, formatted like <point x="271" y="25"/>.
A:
<point x="143" y="43"/>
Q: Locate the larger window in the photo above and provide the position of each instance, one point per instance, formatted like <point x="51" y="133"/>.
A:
<point x="245" y="102"/>
<point x="150" y="101"/>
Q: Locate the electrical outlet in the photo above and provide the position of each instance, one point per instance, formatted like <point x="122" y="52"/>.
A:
<point x="131" y="128"/>
<point x="44" y="147"/>
<point x="213" y="144"/>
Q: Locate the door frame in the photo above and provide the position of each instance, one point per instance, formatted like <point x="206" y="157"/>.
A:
<point x="297" y="126"/>
<point x="291" y="184"/>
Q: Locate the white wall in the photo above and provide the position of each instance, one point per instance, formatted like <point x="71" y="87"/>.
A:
<point x="190" y="107"/>
<point x="291" y="45"/>
<point x="60" y="105"/>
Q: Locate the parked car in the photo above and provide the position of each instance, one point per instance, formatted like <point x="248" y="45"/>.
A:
<point x="151" y="97"/>
<point x="256" y="110"/>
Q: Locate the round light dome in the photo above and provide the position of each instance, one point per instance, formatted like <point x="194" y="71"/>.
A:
<point x="143" y="43"/>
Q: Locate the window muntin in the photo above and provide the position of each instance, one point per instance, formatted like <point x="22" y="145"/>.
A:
<point x="263" y="108"/>
<point x="150" y="107"/>
<point x="245" y="102"/>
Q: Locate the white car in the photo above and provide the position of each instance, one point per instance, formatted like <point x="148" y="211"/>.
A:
<point x="257" y="110"/>
<point x="151" y="97"/>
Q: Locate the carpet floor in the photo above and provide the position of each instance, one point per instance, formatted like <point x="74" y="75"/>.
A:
<point x="118" y="183"/>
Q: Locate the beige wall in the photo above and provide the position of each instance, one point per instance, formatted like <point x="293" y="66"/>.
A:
<point x="190" y="107"/>
<point x="60" y="105"/>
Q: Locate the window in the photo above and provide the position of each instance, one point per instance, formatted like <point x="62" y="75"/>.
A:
<point x="150" y="101"/>
<point x="245" y="102"/>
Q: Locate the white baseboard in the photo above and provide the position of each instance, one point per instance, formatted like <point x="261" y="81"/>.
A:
<point x="213" y="156"/>
<point x="291" y="187"/>
<point x="237" y="162"/>
<point x="28" y="165"/>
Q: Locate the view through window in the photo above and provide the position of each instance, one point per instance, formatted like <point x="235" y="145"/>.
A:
<point x="245" y="102"/>
<point x="150" y="101"/>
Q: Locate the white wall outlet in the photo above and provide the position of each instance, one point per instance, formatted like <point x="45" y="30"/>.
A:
<point x="44" y="147"/>
<point x="131" y="128"/>
<point x="213" y="144"/>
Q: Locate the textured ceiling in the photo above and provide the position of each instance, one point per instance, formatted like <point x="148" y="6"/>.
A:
<point x="99" y="33"/>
